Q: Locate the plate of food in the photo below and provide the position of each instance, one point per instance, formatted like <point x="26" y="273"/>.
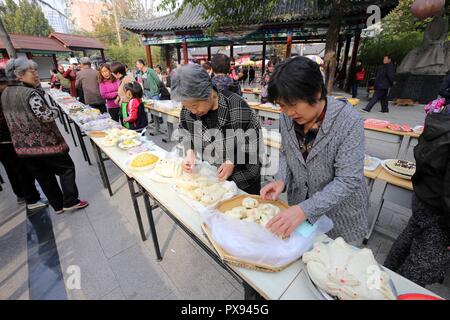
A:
<point x="127" y="144"/>
<point x="400" y="168"/>
<point x="142" y="161"/>
<point x="371" y="163"/>
<point x="338" y="271"/>
<point x="250" y="208"/>
<point x="109" y="141"/>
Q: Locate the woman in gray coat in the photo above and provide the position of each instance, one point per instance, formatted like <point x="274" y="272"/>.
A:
<point x="322" y="154"/>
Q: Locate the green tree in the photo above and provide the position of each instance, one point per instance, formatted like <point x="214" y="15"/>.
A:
<point x="237" y="13"/>
<point x="401" y="33"/>
<point x="26" y="17"/>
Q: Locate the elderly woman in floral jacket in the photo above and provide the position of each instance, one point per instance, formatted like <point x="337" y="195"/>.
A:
<point x="36" y="138"/>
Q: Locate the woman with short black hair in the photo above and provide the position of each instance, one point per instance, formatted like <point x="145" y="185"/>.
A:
<point x="322" y="154"/>
<point x="221" y="67"/>
<point x="119" y="71"/>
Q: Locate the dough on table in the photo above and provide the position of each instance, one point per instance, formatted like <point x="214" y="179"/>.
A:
<point x="269" y="209"/>
<point x="347" y="272"/>
<point x="250" y="203"/>
<point x="169" y="168"/>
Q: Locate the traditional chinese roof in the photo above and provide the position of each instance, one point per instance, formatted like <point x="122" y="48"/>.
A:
<point x="75" y="42"/>
<point x="26" y="43"/>
<point x="291" y="12"/>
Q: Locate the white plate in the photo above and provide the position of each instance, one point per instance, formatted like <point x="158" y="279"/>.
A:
<point x="374" y="165"/>
<point x="383" y="164"/>
<point x="121" y="146"/>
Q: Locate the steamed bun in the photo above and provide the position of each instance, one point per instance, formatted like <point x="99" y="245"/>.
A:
<point x="250" y="203"/>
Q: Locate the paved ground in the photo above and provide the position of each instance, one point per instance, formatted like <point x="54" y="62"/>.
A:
<point x="103" y="240"/>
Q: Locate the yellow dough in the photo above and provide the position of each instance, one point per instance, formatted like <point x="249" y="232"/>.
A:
<point x="144" y="160"/>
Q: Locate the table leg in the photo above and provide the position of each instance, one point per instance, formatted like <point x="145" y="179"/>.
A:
<point x="101" y="167"/>
<point x="169" y="132"/>
<point x="61" y="118"/>
<point x="377" y="214"/>
<point x="134" y="196"/>
<point x="250" y="293"/>
<point x="70" y="128"/>
<point x="156" y="123"/>
<point x="403" y="149"/>
<point x="370" y="186"/>
<point x="82" y="144"/>
<point x="151" y="221"/>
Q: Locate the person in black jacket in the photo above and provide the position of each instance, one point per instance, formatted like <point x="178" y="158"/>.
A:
<point x="422" y="252"/>
<point x="444" y="91"/>
<point x="383" y="81"/>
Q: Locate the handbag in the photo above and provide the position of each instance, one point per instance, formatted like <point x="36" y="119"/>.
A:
<point x="360" y="75"/>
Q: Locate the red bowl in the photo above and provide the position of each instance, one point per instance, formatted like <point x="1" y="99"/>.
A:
<point x="417" y="296"/>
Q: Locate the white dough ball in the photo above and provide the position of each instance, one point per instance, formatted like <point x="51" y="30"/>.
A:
<point x="250" y="203"/>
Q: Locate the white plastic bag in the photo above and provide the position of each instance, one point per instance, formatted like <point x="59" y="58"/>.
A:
<point x="253" y="243"/>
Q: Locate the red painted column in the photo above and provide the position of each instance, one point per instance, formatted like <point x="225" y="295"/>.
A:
<point x="185" y="51"/>
<point x="148" y="52"/>
<point x="168" y="57"/>
<point x="55" y="61"/>
<point x="289" y="44"/>
<point x="179" y="55"/>
<point x="102" y="52"/>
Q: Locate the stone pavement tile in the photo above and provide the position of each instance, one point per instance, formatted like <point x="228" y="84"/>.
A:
<point x="165" y="230"/>
<point x="236" y="295"/>
<point x="13" y="259"/>
<point x="193" y="274"/>
<point x="225" y="273"/>
<point x="101" y="207"/>
<point x="385" y="218"/>
<point x="441" y="290"/>
<point x="116" y="294"/>
<point x="115" y="234"/>
<point x="74" y="221"/>
<point x="175" y="295"/>
<point x="398" y="223"/>
<point x="139" y="275"/>
<point x="81" y="248"/>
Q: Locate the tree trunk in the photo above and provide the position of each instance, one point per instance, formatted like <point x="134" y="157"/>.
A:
<point x="4" y="36"/>
<point x="330" y="63"/>
<point x="116" y="20"/>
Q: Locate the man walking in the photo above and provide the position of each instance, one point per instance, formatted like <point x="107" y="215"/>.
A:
<point x="87" y="80"/>
<point x="383" y="81"/>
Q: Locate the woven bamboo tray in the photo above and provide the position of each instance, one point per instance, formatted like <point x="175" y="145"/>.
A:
<point x="225" y="256"/>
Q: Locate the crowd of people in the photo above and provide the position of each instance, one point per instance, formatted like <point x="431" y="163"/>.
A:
<point x="321" y="159"/>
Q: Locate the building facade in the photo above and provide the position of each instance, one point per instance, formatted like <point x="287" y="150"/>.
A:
<point x="85" y="13"/>
<point x="54" y="11"/>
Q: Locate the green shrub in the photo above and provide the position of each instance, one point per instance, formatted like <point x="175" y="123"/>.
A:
<point x="129" y="54"/>
<point x="373" y="49"/>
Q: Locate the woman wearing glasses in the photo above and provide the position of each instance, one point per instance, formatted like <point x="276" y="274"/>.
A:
<point x="35" y="136"/>
<point x="322" y="154"/>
